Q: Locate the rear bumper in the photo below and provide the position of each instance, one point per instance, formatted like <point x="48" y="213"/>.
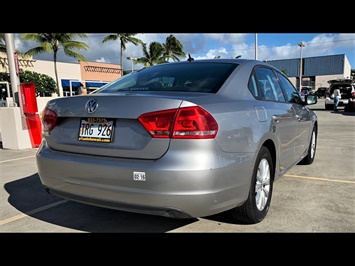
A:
<point x="342" y="102"/>
<point x="170" y="212"/>
<point x="175" y="186"/>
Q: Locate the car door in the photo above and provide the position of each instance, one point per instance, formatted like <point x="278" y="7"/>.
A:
<point x="302" y="129"/>
<point x="282" y="114"/>
<point x="301" y="121"/>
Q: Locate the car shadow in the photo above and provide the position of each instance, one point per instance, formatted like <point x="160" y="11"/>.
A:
<point x="29" y="197"/>
<point x="320" y="109"/>
<point x="348" y="113"/>
<point x="342" y="112"/>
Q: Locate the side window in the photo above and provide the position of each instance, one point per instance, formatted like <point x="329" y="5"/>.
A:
<point x="277" y="88"/>
<point x="269" y="86"/>
<point x="290" y="91"/>
<point x="253" y="86"/>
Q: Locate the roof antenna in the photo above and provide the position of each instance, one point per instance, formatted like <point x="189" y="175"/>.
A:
<point x="190" y="58"/>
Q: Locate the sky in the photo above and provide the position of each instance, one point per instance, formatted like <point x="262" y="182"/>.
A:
<point x="270" y="46"/>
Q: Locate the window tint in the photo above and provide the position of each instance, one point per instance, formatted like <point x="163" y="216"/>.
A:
<point x="253" y="86"/>
<point x="290" y="91"/>
<point x="269" y="85"/>
<point x="184" y="76"/>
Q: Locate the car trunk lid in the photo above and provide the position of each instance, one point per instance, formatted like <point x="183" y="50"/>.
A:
<point x="128" y="138"/>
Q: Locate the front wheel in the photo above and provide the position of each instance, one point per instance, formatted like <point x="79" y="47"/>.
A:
<point x="257" y="205"/>
<point x="311" y="149"/>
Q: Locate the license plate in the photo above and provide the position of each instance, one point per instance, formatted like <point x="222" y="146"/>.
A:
<point x="96" y="129"/>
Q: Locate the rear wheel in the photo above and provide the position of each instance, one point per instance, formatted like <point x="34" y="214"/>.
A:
<point x="257" y="204"/>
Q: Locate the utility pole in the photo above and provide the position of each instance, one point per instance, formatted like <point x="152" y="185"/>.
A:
<point x="256" y="46"/>
<point x="301" y="44"/>
<point x="13" y="64"/>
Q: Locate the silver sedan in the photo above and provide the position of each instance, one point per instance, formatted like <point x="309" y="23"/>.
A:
<point x="182" y="140"/>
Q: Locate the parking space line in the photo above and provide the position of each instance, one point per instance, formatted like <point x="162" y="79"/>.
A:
<point x="321" y="179"/>
<point x="23" y="215"/>
<point x="17" y="159"/>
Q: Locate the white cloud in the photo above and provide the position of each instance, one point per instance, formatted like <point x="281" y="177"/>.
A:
<point x="199" y="46"/>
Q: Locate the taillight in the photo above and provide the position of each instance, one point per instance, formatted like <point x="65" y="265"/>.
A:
<point x="187" y="123"/>
<point x="49" y="120"/>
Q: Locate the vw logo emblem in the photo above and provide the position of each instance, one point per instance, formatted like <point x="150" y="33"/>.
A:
<point x="91" y="106"/>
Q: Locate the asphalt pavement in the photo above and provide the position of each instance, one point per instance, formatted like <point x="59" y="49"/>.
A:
<point x="317" y="198"/>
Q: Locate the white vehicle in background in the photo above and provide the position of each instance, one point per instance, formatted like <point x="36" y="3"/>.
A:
<point x="346" y="87"/>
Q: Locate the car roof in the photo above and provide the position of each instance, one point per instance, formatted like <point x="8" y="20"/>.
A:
<point x="340" y="81"/>
<point x="238" y="61"/>
<point x="225" y="60"/>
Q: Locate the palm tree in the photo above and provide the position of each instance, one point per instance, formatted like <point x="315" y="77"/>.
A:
<point x="52" y="42"/>
<point x="124" y="38"/>
<point x="153" y="56"/>
<point x="173" y="49"/>
<point x="3" y="48"/>
<point x="2" y="43"/>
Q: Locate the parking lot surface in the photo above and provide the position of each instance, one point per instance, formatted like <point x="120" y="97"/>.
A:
<point x="317" y="198"/>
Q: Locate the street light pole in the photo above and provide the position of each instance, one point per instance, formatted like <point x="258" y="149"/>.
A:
<point x="256" y="46"/>
<point x="14" y="75"/>
<point x="301" y="44"/>
<point x="132" y="58"/>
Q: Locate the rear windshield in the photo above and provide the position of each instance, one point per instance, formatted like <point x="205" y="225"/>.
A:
<point x="182" y="76"/>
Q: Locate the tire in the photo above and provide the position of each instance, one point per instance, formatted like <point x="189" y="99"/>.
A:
<point x="311" y="149"/>
<point x="257" y="205"/>
<point x="329" y="107"/>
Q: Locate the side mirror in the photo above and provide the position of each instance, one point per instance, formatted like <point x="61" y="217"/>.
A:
<point x="311" y="99"/>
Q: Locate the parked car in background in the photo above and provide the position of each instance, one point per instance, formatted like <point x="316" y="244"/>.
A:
<point x="182" y="140"/>
<point x="321" y="92"/>
<point x="346" y="87"/>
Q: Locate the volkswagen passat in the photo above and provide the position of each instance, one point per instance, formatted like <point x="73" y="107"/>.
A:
<point x="182" y="139"/>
